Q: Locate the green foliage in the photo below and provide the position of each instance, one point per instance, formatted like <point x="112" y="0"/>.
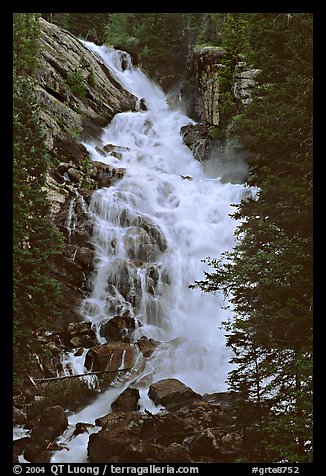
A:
<point x="75" y="133"/>
<point x="235" y="41"/>
<point x="151" y="36"/>
<point x="26" y="31"/>
<point x="267" y="277"/>
<point x="206" y="27"/>
<point x="90" y="26"/>
<point x="36" y="241"/>
<point x="91" y="77"/>
<point x="75" y="82"/>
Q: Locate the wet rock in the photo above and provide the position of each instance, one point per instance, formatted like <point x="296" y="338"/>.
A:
<point x="104" y="180"/>
<point x="74" y="175"/>
<point x="82" y="428"/>
<point x="111" y="357"/>
<point x="153" y="231"/>
<point x="119" y="172"/>
<point x="80" y="328"/>
<point x="119" y="328"/>
<point x="21" y="443"/>
<point x="127" y="401"/>
<point x="83" y="341"/>
<point x="126" y="279"/>
<point x="19" y="417"/>
<point x="172" y="394"/>
<point x="147" y="346"/>
<point x="199" y="140"/>
<point x="140" y="245"/>
<point x="51" y="366"/>
<point x="141" y="105"/>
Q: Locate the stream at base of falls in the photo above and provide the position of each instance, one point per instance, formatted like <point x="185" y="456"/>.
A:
<point x="151" y="231"/>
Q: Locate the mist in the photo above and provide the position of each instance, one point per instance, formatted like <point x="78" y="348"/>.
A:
<point x="228" y="163"/>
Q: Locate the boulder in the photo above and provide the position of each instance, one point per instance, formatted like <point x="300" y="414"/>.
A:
<point x="45" y="433"/>
<point x="22" y="443"/>
<point x="119" y="440"/>
<point x="79" y="334"/>
<point x="119" y="328"/>
<point x="127" y="401"/>
<point x="147" y="346"/>
<point x="37" y="407"/>
<point x="54" y="416"/>
<point x="205" y="443"/>
<point x="74" y="175"/>
<point x="196" y="432"/>
<point x="80" y="328"/>
<point x="172" y="394"/>
<point x="225" y="400"/>
<point x="37" y="453"/>
<point x="111" y="357"/>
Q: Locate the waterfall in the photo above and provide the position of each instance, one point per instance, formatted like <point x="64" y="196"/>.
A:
<point x="151" y="230"/>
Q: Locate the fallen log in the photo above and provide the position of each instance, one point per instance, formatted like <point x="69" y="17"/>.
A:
<point x="50" y="379"/>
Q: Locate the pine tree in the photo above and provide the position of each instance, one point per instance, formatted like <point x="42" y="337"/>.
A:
<point x="267" y="277"/>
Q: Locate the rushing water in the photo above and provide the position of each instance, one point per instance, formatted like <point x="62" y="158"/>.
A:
<point x="152" y="228"/>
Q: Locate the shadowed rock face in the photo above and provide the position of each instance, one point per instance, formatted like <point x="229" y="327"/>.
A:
<point x="202" y="431"/>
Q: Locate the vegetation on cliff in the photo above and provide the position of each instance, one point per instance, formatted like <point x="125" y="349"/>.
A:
<point x="36" y="241"/>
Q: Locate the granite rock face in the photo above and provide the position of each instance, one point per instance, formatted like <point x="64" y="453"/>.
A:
<point x="77" y="97"/>
<point x="77" y="94"/>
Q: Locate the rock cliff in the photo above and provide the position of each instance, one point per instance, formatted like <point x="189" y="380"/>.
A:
<point x="77" y="97"/>
<point x="203" y="83"/>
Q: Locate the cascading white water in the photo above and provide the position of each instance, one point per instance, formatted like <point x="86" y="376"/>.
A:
<point x="151" y="231"/>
